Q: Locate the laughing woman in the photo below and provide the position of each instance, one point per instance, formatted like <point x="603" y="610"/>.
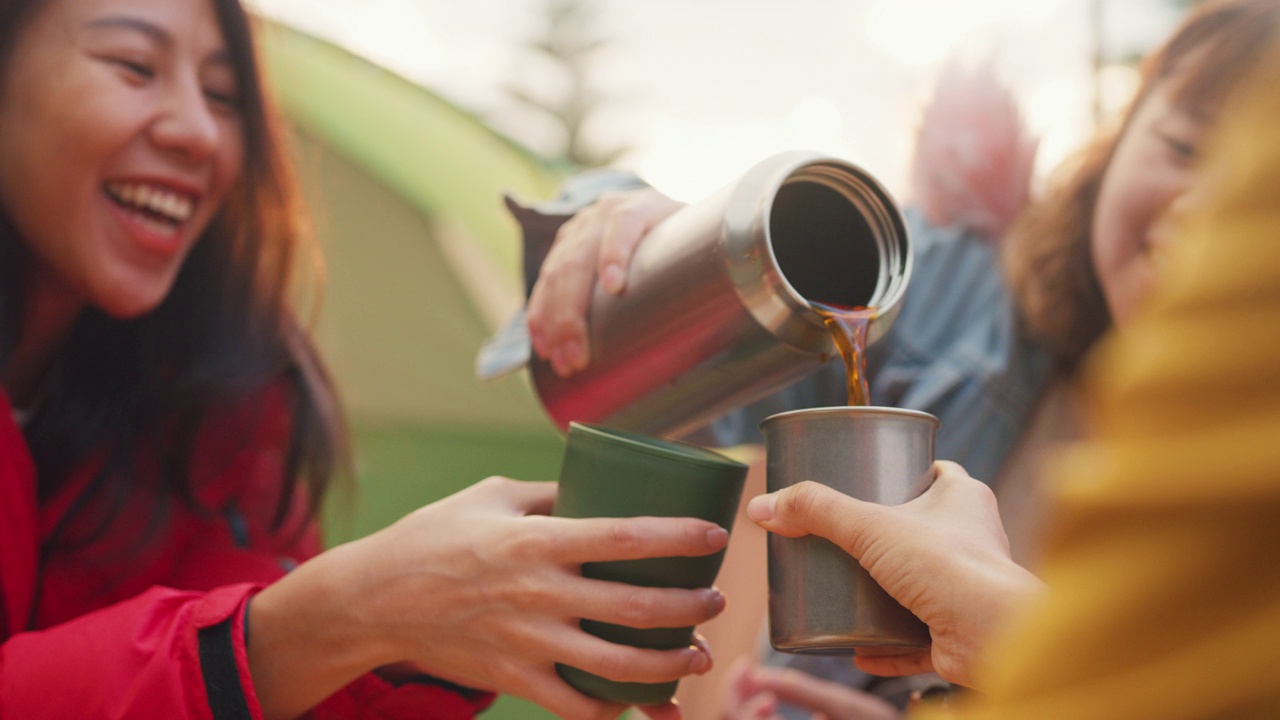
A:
<point x="167" y="431"/>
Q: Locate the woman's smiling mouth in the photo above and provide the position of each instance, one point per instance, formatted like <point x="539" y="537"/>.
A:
<point x="159" y="211"/>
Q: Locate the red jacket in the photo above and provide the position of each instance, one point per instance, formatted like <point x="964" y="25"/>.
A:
<point x="120" y="633"/>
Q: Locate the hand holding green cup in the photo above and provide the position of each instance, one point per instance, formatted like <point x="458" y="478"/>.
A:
<point x="615" y="473"/>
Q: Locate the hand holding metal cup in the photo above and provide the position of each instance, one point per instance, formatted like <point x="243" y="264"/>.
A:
<point x="821" y="600"/>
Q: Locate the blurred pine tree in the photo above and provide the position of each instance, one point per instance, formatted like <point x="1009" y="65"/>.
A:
<point x="569" y="42"/>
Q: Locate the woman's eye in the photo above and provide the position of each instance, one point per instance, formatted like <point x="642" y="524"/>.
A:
<point x="226" y="100"/>
<point x="134" y="67"/>
<point x="222" y="93"/>
<point x="1183" y="149"/>
<point x="220" y="88"/>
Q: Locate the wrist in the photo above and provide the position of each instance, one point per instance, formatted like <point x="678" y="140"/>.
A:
<point x="310" y="637"/>
<point x="1009" y="588"/>
<point x="1019" y="587"/>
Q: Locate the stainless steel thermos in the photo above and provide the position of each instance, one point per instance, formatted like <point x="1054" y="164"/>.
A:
<point x="717" y="310"/>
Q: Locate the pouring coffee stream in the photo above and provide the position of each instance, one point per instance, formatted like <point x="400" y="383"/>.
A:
<point x="848" y="328"/>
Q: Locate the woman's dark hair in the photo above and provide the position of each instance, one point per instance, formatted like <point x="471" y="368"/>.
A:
<point x="1048" y="258"/>
<point x="225" y="332"/>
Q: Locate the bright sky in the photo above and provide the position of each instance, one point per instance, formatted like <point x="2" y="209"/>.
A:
<point x="703" y="89"/>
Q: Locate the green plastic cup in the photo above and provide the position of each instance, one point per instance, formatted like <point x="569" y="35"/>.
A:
<point x="616" y="473"/>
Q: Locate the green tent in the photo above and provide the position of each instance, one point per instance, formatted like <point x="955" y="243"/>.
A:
<point x="422" y="263"/>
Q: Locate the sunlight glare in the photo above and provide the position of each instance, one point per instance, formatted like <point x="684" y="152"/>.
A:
<point x="816" y="123"/>
<point x="690" y="160"/>
<point x="920" y="33"/>
<point x="1057" y="111"/>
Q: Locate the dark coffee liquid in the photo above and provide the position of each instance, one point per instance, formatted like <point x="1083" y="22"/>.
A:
<point x="848" y="328"/>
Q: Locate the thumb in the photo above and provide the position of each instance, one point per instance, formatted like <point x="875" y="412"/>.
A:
<point x="808" y="508"/>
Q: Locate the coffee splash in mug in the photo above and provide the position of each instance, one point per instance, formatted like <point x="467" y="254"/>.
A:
<point x="848" y="327"/>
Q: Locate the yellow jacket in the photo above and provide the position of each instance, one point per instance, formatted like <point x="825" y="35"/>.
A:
<point x="1164" y="562"/>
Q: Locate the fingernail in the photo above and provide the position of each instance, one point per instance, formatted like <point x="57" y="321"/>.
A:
<point x="573" y="355"/>
<point x="717" y="538"/>
<point x="715" y="599"/>
<point x="558" y="362"/>
<point x="612" y="278"/>
<point x="701" y="662"/>
<point x="762" y="508"/>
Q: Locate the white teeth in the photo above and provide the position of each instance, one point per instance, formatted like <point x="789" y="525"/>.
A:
<point x="174" y="206"/>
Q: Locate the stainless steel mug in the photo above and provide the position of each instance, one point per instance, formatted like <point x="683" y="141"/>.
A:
<point x="717" y="310"/>
<point x="821" y="601"/>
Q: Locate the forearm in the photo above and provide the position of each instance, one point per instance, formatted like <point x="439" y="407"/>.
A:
<point x="308" y="636"/>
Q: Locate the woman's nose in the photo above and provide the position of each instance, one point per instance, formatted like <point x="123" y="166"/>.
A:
<point x="186" y="124"/>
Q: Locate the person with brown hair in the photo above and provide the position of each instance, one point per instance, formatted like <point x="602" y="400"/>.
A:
<point x="1160" y="596"/>
<point x="993" y="355"/>
<point x="167" y="431"/>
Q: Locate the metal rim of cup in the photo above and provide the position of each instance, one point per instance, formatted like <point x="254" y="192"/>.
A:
<point x="847" y="410"/>
<point x="660" y="447"/>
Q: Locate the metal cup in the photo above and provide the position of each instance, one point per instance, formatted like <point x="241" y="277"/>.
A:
<point x="821" y="601"/>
